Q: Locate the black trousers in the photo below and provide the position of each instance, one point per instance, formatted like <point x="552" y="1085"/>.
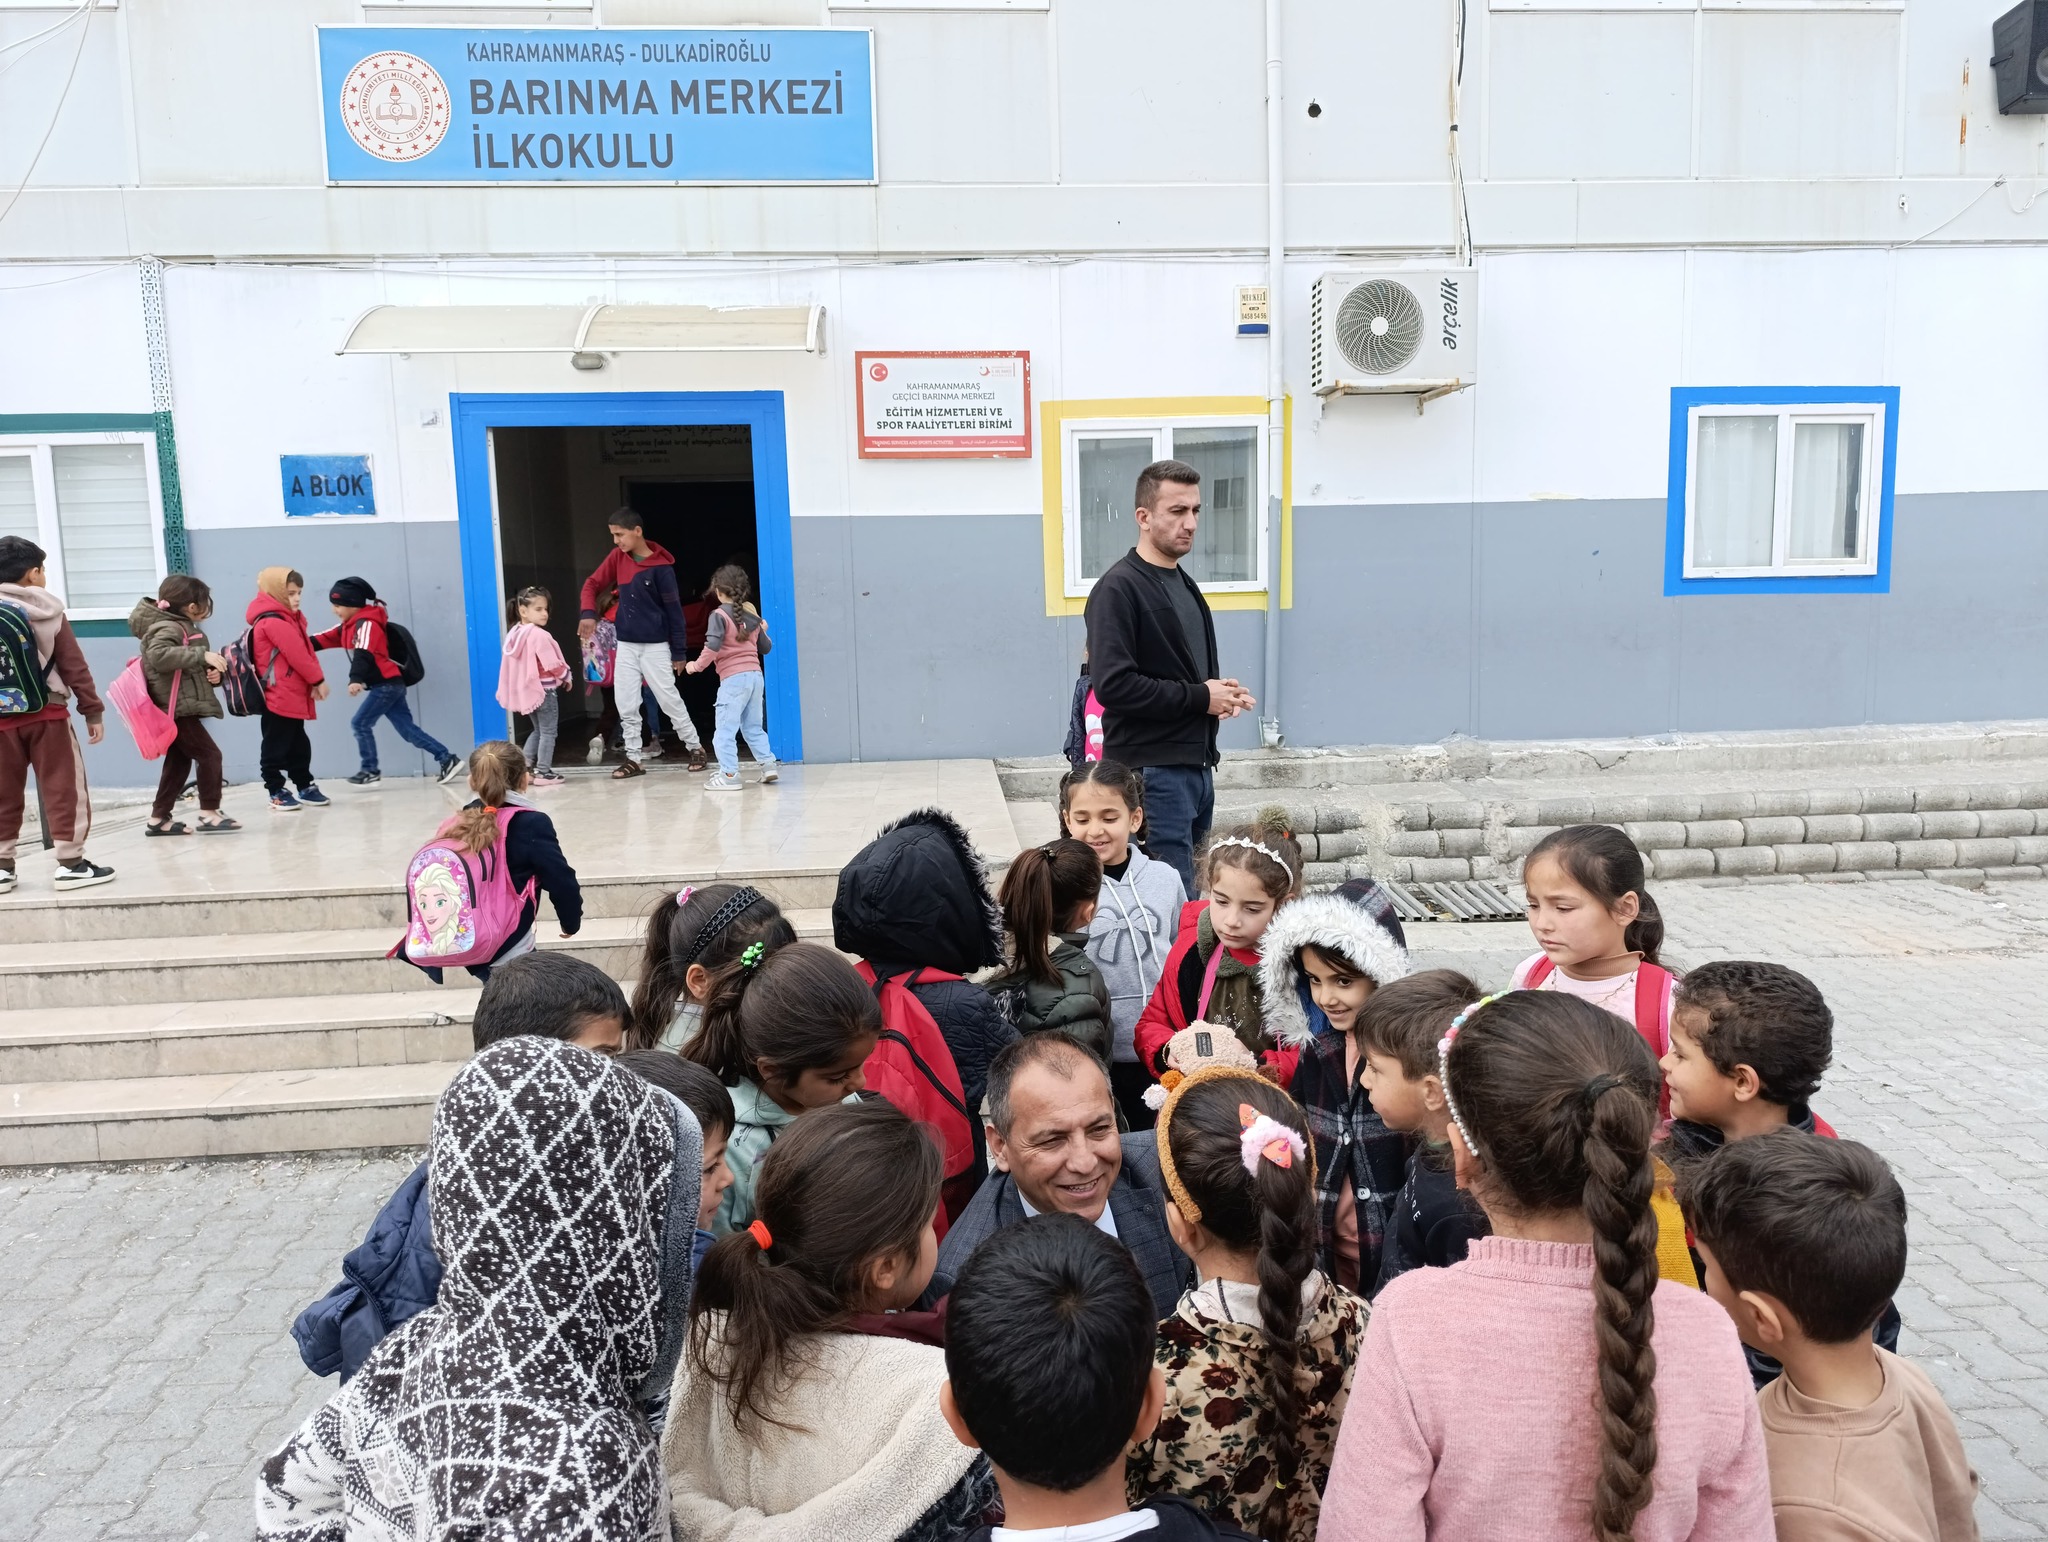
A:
<point x="287" y="752"/>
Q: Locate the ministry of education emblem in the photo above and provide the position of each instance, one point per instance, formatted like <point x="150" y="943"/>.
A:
<point x="395" y="106"/>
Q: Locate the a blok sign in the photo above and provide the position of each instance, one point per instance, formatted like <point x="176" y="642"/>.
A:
<point x="327" y="484"/>
<point x="659" y="104"/>
<point x="944" y="405"/>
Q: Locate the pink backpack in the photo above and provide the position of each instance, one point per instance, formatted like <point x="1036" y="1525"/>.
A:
<point x="154" y="728"/>
<point x="460" y="904"/>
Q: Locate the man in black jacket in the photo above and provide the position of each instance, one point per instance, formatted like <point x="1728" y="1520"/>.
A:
<point x="1152" y="657"/>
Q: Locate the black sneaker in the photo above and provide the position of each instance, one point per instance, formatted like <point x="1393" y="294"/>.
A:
<point x="366" y="778"/>
<point x="82" y="875"/>
<point x="451" y="768"/>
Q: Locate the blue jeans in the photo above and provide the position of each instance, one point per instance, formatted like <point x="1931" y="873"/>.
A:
<point x="742" y="704"/>
<point x="388" y="701"/>
<point x="1180" y="803"/>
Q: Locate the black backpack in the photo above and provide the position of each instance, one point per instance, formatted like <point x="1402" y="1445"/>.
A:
<point x="405" y="653"/>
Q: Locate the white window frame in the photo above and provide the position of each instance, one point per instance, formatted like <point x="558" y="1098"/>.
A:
<point x="1782" y="565"/>
<point x="1074" y="430"/>
<point x="43" y="474"/>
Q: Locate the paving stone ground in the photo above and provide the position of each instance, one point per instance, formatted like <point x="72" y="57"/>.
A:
<point x="146" y="1361"/>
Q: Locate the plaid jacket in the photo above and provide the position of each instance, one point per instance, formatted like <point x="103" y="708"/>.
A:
<point x="1353" y="1148"/>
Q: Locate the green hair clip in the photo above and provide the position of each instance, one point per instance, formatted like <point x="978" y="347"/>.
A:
<point x="751" y="958"/>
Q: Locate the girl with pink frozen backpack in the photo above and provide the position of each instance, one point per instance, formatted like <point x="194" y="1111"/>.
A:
<point x="472" y="892"/>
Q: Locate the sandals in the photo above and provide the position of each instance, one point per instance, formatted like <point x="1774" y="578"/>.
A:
<point x="219" y="826"/>
<point x="628" y="768"/>
<point x="175" y="827"/>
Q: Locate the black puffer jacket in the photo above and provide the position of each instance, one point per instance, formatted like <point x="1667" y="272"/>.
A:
<point x="917" y="897"/>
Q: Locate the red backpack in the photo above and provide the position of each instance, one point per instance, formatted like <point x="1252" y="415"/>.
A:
<point x="912" y="1066"/>
<point x="1652" y="1014"/>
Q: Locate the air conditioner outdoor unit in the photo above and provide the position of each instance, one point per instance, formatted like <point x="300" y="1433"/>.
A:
<point x="1394" y="332"/>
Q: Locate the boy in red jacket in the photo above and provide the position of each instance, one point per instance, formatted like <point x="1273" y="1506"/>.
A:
<point x="43" y="740"/>
<point x="365" y="635"/>
<point x="653" y="636"/>
<point x="292" y="683"/>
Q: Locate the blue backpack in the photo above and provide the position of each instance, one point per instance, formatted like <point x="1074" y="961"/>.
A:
<point x="24" y="678"/>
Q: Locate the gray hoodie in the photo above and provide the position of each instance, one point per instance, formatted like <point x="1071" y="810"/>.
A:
<point x="1135" y="920"/>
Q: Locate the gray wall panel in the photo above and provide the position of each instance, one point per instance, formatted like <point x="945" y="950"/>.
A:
<point x="1772" y="660"/>
<point x="415" y="568"/>
<point x="1575" y="636"/>
<point x="821" y="555"/>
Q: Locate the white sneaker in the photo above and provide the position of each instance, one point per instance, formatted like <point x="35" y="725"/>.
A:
<point x="7" y="879"/>
<point x="718" y="781"/>
<point x="772" y="774"/>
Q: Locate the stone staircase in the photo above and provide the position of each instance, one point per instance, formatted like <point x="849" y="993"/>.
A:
<point x="237" y="1023"/>
<point x="1953" y="802"/>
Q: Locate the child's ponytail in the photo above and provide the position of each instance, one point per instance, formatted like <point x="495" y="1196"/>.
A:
<point x="496" y="768"/>
<point x="1557" y="1098"/>
<point x="849" y="1185"/>
<point x="712" y="927"/>
<point x="1042" y="893"/>
<point x="1269" y="1210"/>
<point x="796" y="1007"/>
<point x="1605" y="863"/>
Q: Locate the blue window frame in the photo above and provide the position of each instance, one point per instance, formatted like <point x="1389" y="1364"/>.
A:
<point x="1781" y="490"/>
<point x="473" y="415"/>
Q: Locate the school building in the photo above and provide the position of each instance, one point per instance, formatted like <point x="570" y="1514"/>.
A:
<point x="1556" y="367"/>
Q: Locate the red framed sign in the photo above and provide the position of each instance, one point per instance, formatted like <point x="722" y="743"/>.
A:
<point x="944" y="405"/>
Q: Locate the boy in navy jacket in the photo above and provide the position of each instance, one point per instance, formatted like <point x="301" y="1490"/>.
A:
<point x="364" y="634"/>
<point x="653" y="636"/>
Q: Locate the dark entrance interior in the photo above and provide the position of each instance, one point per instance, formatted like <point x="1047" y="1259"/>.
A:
<point x="693" y="485"/>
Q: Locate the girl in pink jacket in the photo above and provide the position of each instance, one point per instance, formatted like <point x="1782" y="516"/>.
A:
<point x="1550" y="1388"/>
<point x="530" y="673"/>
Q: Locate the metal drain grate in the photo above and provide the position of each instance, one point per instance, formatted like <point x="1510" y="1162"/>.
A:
<point x="1467" y="900"/>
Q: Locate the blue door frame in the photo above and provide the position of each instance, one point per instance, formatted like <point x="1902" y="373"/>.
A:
<point x="473" y="415"/>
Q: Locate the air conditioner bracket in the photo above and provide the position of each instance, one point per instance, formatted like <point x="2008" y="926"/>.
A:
<point x="1427" y="397"/>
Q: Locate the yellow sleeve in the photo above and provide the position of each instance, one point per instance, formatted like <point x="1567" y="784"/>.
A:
<point x="1674" y="1258"/>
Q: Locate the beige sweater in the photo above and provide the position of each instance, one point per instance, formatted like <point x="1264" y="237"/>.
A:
<point x="870" y="1456"/>
<point x="1892" y="1472"/>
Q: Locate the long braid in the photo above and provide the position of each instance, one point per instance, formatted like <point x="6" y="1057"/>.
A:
<point x="1286" y="1254"/>
<point x="1617" y="1202"/>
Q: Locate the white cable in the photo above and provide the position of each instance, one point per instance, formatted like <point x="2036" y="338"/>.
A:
<point x="55" y="113"/>
<point x="1993" y="186"/>
<point x="1463" y="211"/>
<point x="56" y="26"/>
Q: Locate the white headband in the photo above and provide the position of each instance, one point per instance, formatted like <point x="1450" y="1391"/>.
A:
<point x="1259" y="846"/>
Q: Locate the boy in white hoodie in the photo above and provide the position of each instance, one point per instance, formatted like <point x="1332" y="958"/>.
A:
<point x="42" y="673"/>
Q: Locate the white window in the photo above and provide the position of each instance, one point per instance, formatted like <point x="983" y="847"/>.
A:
<point x="1102" y="460"/>
<point x="91" y="501"/>
<point x="1783" y="491"/>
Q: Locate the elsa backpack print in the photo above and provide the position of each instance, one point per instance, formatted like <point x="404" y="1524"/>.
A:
<point x="460" y="904"/>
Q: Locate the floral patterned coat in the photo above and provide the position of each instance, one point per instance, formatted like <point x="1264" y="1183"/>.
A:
<point x="1214" y="1443"/>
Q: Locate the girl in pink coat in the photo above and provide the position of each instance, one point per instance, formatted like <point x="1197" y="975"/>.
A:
<point x="529" y="675"/>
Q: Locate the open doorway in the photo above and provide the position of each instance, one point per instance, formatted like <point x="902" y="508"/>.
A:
<point x="692" y="484"/>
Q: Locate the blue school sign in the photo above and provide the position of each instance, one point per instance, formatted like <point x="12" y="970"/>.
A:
<point x="327" y="484"/>
<point x="505" y="104"/>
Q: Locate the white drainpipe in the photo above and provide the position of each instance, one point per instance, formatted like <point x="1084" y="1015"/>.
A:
<point x="1276" y="380"/>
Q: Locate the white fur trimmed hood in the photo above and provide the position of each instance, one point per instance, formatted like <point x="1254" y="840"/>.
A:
<point x="1327" y="920"/>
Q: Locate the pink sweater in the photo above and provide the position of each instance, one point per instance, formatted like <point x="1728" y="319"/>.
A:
<point x="531" y="666"/>
<point x="1472" y="1412"/>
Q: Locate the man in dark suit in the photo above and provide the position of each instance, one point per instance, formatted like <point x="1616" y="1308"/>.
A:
<point x="1053" y="1142"/>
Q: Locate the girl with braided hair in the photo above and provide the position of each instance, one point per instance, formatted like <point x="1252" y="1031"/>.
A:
<point x="1258" y="1357"/>
<point x="1550" y="1386"/>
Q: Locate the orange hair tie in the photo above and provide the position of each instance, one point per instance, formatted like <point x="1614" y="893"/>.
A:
<point x="758" y="1230"/>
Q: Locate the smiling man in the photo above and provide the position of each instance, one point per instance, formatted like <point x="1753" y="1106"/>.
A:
<point x="1053" y="1142"/>
<point x="1152" y="659"/>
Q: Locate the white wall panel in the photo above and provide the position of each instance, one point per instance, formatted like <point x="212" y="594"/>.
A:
<point x="71" y="340"/>
<point x="1577" y="95"/>
<point x="1380" y="71"/>
<point x="1799" y="93"/>
<point x="1157" y="329"/>
<point x="1971" y="372"/>
<point x="89" y="140"/>
<point x="1787" y="319"/>
<point x="963" y="97"/>
<point x="1151" y="93"/>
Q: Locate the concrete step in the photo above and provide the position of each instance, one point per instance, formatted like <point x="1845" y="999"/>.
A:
<point x="199" y="1038"/>
<point x="107" y="913"/>
<point x="208" y="967"/>
<point x="225" y="1114"/>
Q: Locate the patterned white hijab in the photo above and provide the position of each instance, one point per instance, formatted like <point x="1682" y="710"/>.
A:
<point x="508" y="1408"/>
